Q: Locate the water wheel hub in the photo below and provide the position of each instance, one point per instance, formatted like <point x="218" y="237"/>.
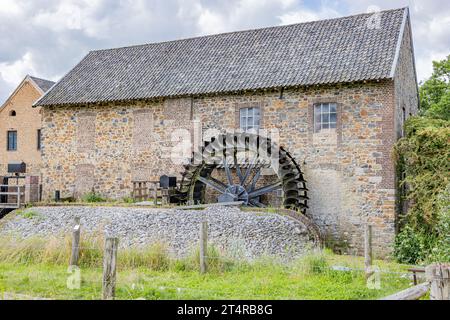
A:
<point x="234" y="193"/>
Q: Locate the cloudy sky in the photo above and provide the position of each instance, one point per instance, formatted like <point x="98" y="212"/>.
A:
<point x="46" y="38"/>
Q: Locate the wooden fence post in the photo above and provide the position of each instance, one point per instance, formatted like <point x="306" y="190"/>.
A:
<point x="75" y="243"/>
<point x="155" y="193"/>
<point x="439" y="276"/>
<point x="203" y="246"/>
<point x="368" y="250"/>
<point x="109" y="268"/>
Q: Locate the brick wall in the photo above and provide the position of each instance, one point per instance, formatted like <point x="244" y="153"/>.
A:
<point x="26" y="122"/>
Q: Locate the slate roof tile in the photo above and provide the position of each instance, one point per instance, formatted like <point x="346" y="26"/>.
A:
<point x="42" y="83"/>
<point x="319" y="52"/>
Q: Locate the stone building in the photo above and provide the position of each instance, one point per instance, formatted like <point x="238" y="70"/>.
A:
<point x="337" y="90"/>
<point x="20" y="126"/>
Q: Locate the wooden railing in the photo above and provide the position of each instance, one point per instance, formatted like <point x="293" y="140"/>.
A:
<point x="144" y="190"/>
<point x="413" y="293"/>
<point x="18" y="193"/>
<point x="437" y="283"/>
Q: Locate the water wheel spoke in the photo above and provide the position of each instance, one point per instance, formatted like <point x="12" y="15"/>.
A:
<point x="249" y="169"/>
<point x="213" y="183"/>
<point x="264" y="190"/>
<point x="255" y="180"/>
<point x="256" y="203"/>
<point x="227" y="170"/>
<point x="238" y="170"/>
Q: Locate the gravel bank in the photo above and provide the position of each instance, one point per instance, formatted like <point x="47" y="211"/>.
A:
<point x="238" y="233"/>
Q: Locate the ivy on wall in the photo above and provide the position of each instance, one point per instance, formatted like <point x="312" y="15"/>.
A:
<point x="423" y="155"/>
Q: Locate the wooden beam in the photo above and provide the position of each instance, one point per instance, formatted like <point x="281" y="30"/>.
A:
<point x="202" y="206"/>
<point x="413" y="293"/>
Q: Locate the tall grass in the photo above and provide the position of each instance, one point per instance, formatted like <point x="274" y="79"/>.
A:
<point x="53" y="250"/>
<point x="314" y="263"/>
<point x="57" y="251"/>
<point x="154" y="257"/>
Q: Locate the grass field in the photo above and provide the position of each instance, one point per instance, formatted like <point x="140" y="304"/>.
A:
<point x="38" y="268"/>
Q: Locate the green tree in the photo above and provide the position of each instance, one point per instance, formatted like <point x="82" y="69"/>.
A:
<point x="423" y="155"/>
<point x="435" y="92"/>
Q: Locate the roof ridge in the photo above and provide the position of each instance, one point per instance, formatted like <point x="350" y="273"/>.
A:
<point x="246" y="30"/>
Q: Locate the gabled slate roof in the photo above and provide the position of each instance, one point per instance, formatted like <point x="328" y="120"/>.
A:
<point x="37" y="83"/>
<point x="42" y="83"/>
<point x="321" y="52"/>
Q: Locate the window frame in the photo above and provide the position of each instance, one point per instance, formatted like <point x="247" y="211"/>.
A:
<point x="255" y="124"/>
<point x="11" y="146"/>
<point x="325" y="124"/>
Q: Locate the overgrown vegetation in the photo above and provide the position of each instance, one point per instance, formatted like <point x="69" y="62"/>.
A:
<point x="57" y="250"/>
<point x="424" y="157"/>
<point x="128" y="200"/>
<point x="28" y="214"/>
<point x="92" y="197"/>
<point x="38" y="267"/>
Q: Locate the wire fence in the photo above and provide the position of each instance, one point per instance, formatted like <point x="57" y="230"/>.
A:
<point x="75" y="278"/>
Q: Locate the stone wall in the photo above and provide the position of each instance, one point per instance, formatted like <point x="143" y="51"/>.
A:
<point x="349" y="170"/>
<point x="406" y="95"/>
<point x="406" y="91"/>
<point x="105" y="148"/>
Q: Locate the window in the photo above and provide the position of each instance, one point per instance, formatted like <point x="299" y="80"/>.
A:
<point x="12" y="113"/>
<point x="325" y="116"/>
<point x="12" y="140"/>
<point x="39" y="139"/>
<point x="250" y="119"/>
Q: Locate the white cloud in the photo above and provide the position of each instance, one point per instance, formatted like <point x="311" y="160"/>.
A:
<point x="15" y="72"/>
<point x="10" y="7"/>
<point x="46" y="38"/>
<point x="73" y="15"/>
<point x="306" y="15"/>
<point x="211" y="22"/>
<point x="243" y="14"/>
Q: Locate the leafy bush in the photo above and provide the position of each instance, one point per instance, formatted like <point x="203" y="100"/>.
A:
<point x="28" y="214"/>
<point x="92" y="197"/>
<point x="423" y="155"/>
<point x="440" y="249"/>
<point x="128" y="200"/>
<point x="410" y="246"/>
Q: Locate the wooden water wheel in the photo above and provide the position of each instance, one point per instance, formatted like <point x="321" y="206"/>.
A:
<point x="241" y="158"/>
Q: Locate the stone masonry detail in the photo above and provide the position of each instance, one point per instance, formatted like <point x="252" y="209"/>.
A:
<point x="347" y="170"/>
